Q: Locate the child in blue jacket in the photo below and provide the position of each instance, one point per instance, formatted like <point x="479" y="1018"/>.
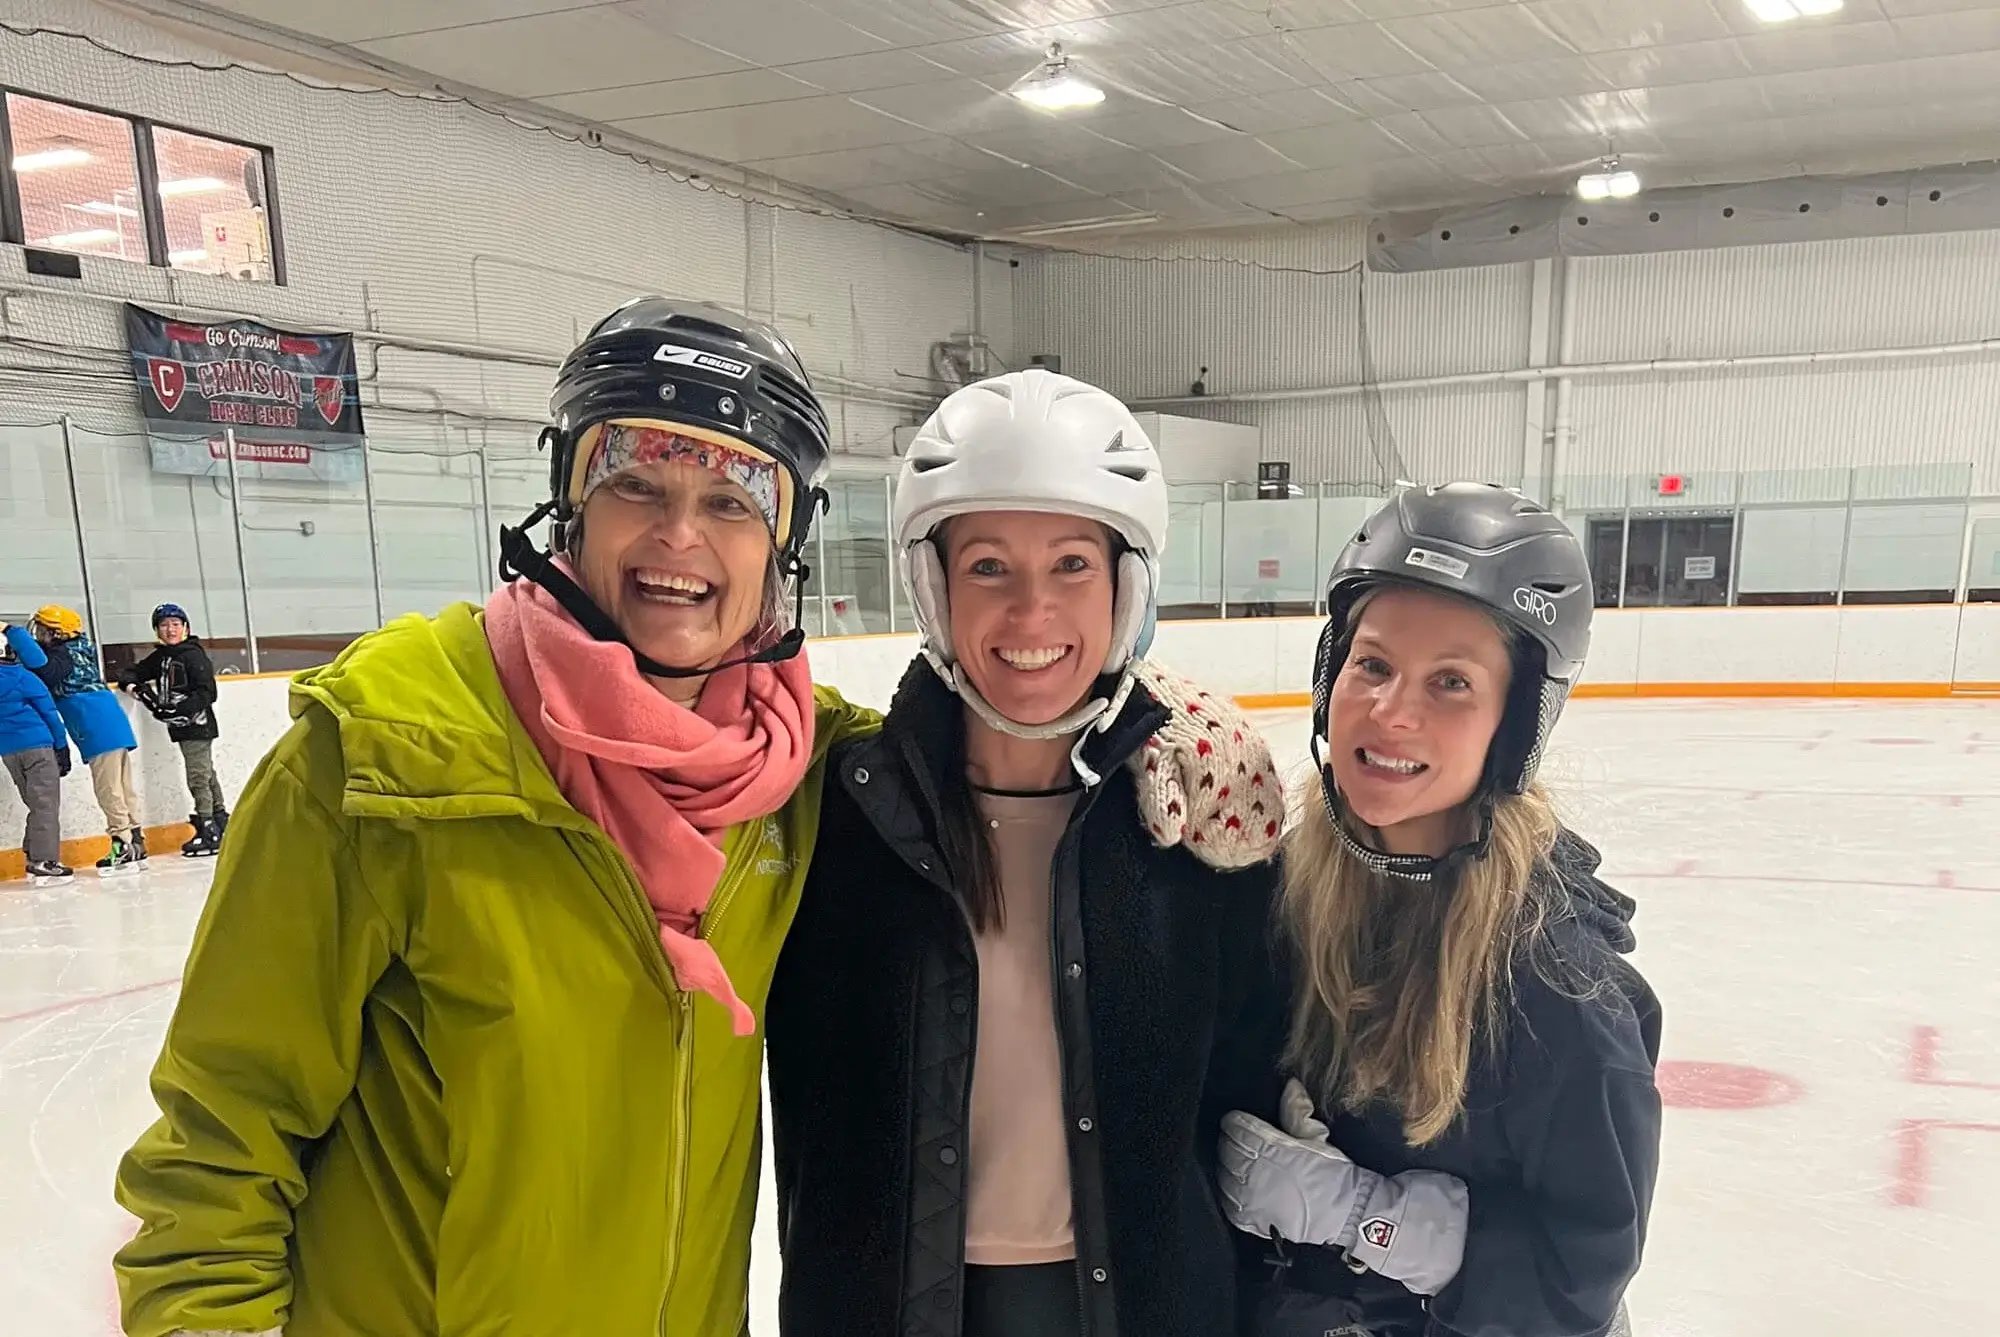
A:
<point x="96" y="720"/>
<point x="35" y="751"/>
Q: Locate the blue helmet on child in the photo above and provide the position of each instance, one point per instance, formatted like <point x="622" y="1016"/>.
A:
<point x="165" y="611"/>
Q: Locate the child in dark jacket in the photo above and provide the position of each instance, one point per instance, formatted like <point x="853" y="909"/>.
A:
<point x="35" y="751"/>
<point x="177" y="684"/>
<point x="96" y="721"/>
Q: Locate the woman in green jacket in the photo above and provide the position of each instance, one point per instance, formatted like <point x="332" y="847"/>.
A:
<point x="466" y="1043"/>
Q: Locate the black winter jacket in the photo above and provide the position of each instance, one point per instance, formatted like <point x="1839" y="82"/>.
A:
<point x="177" y="684"/>
<point x="1558" y="1147"/>
<point x="872" y="1022"/>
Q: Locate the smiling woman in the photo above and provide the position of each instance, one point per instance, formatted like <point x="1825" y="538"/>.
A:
<point x="516" y="882"/>
<point x="1039" y="966"/>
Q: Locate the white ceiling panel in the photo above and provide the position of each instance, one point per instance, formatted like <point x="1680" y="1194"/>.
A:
<point x="1656" y="66"/>
<point x="1478" y="36"/>
<point x="1228" y="160"/>
<point x="544" y="54"/>
<point x="878" y="69"/>
<point x="813" y="125"/>
<point x="740" y="88"/>
<point x="1160" y="128"/>
<point x="1292" y="109"/>
<point x="1216" y="109"/>
<point x="770" y="32"/>
<point x="1621" y="25"/>
<point x="1409" y="92"/>
<point x="362" y="20"/>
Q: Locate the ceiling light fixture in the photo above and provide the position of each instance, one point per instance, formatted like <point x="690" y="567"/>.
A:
<point x="1054" y="85"/>
<point x="186" y="257"/>
<point x="192" y="185"/>
<point x="102" y="207"/>
<point x="1784" y="11"/>
<point x="95" y="236"/>
<point x="43" y="159"/>
<point x="1609" y="182"/>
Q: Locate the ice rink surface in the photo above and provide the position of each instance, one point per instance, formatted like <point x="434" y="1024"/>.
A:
<point x="1819" y="891"/>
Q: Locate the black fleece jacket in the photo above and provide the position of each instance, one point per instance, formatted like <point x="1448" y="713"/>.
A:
<point x="177" y="683"/>
<point x="1558" y="1147"/>
<point x="873" y="1019"/>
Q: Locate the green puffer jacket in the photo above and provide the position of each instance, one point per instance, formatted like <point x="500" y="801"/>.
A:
<point x="429" y="1073"/>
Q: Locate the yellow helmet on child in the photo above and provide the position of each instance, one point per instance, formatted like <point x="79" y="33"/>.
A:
<point x="62" y="621"/>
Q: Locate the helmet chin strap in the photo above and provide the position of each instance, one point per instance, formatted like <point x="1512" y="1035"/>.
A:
<point x="1406" y="867"/>
<point x="519" y="557"/>
<point x="1094" y="716"/>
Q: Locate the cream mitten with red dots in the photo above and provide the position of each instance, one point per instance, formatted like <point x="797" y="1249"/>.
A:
<point x="1205" y="778"/>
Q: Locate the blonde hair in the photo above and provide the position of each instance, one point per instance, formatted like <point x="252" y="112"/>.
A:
<point x="1397" y="977"/>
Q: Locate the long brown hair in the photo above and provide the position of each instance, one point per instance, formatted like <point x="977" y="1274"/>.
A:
<point x="1396" y="978"/>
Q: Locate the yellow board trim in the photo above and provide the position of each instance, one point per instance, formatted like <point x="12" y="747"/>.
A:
<point x="84" y="852"/>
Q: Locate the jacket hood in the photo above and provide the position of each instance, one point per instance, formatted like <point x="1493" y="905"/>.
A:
<point x="425" y="726"/>
<point x="1595" y="906"/>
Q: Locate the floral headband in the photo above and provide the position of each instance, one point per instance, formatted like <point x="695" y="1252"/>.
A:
<point x="616" y="446"/>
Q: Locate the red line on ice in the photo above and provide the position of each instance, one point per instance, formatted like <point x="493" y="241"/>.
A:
<point x="1925" y="1041"/>
<point x="66" y="1004"/>
<point x="1913" y="1156"/>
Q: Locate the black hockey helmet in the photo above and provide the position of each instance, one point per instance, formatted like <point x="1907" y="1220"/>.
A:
<point x="681" y="364"/>
<point x="1500" y="550"/>
<point x="702" y="366"/>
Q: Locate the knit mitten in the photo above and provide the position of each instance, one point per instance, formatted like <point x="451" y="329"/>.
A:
<point x="1205" y="778"/>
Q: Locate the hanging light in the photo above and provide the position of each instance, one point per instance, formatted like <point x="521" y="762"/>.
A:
<point x="1784" y="11"/>
<point x="1054" y="85"/>
<point x="1609" y="182"/>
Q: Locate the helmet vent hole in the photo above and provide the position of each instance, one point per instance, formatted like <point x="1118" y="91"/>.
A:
<point x="924" y="466"/>
<point x="1555" y="587"/>
<point x="1132" y="472"/>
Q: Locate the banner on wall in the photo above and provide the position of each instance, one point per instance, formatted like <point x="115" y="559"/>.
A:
<point x="290" y="397"/>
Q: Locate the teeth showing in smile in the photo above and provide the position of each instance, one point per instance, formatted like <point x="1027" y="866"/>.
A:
<point x="1395" y="764"/>
<point x="671" y="586"/>
<point x="1031" y="660"/>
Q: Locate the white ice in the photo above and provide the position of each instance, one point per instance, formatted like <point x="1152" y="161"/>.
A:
<point x="1819" y="890"/>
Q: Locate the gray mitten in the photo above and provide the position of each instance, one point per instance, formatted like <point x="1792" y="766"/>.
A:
<point x="1409" y="1227"/>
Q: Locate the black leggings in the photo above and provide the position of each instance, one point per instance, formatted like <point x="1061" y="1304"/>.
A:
<point x="1040" y="1300"/>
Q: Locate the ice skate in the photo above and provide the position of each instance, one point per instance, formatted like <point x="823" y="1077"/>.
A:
<point x="206" y="843"/>
<point x="136" y="840"/>
<point x="123" y="860"/>
<point x="49" y="873"/>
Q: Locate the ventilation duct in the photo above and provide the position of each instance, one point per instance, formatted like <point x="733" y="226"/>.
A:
<point x="1804" y="208"/>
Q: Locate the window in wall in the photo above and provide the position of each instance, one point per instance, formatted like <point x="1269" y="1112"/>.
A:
<point x="1678" y="561"/>
<point x="1982" y="572"/>
<point x="1606" y="551"/>
<point x="212" y="204"/>
<point x="78" y="175"/>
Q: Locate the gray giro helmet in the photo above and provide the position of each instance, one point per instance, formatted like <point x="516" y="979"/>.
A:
<point x="1496" y="548"/>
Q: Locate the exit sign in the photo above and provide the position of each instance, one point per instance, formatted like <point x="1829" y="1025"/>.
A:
<point x="1670" y="485"/>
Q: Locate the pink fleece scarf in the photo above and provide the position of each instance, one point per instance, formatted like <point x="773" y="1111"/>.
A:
<point x="663" y="781"/>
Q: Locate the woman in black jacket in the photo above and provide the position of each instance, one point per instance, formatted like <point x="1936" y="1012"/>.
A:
<point x="1462" y="1009"/>
<point x="1008" y="1018"/>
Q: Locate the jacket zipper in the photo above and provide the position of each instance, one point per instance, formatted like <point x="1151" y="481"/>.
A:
<point x="725" y="891"/>
<point x="1062" y="1051"/>
<point x="732" y="877"/>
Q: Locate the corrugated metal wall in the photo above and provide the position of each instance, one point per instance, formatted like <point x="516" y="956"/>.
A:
<point x="1279" y="311"/>
<point x="1143" y="328"/>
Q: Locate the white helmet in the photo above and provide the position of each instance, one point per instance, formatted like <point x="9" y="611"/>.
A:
<point x="1034" y="441"/>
